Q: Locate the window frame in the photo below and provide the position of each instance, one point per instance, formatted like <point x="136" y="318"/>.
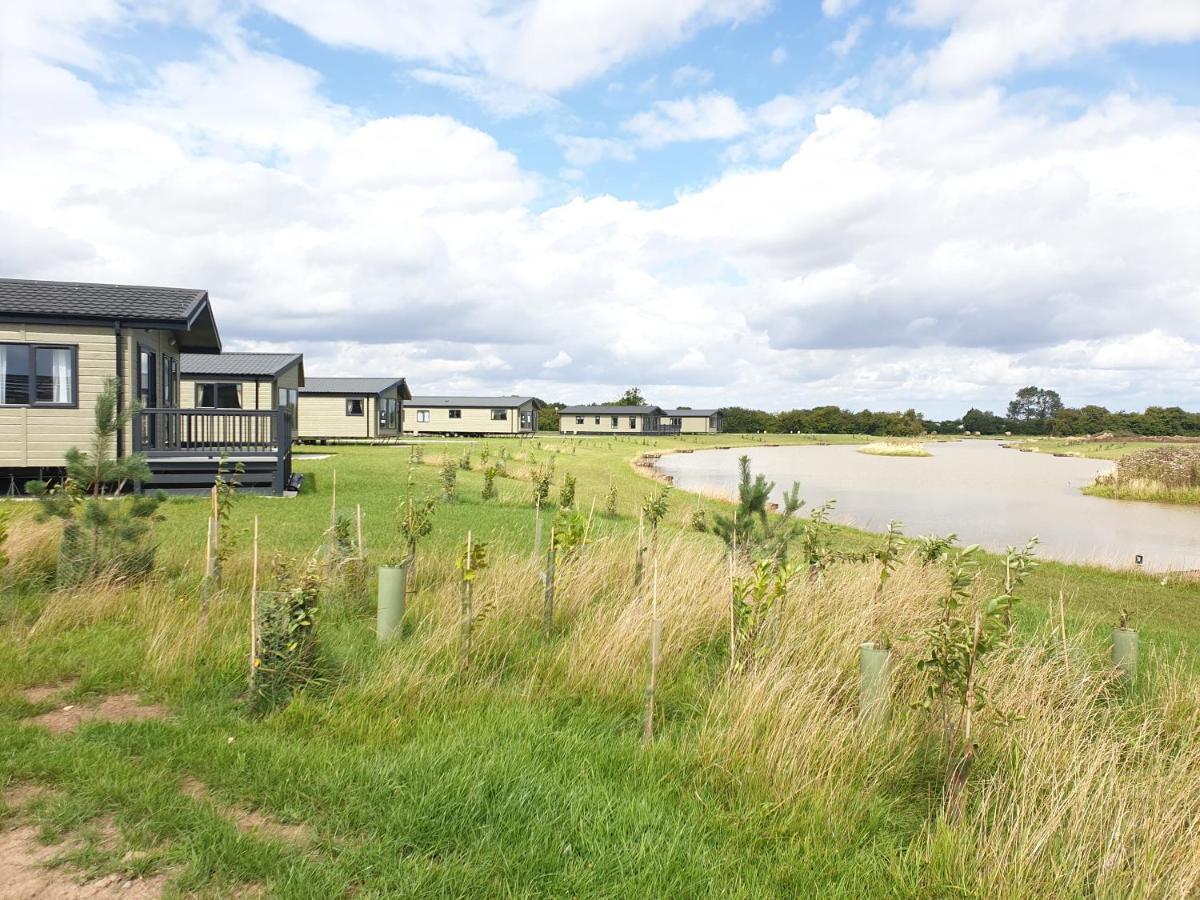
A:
<point x="422" y="416"/>
<point x="614" y="422"/>
<point x="33" y="347"/>
<point x="499" y="414"/>
<point x="454" y="413"/>
<point x="169" y="381"/>
<point x="362" y="407"/>
<point x="579" y="420"/>
<point x="389" y="414"/>
<point x="216" y="386"/>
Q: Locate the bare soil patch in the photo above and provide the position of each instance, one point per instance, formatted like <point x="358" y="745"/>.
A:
<point x="117" y="708"/>
<point x="248" y="820"/>
<point x="27" y="870"/>
<point x="42" y="692"/>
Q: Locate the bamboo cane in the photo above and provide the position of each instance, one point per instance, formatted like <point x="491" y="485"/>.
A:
<point x="537" y="527"/>
<point x="362" y="552"/>
<point x="639" y="562"/>
<point x="549" y="594"/>
<point x="732" y="616"/>
<point x="254" y="609"/>
<point x="466" y="607"/>
<point x="655" y="643"/>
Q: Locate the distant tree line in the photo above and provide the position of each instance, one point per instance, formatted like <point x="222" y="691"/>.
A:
<point x="1033" y="410"/>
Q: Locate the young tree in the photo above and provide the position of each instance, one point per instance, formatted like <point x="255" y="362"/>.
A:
<point x="751" y="529"/>
<point x="99" y="535"/>
<point x="631" y="397"/>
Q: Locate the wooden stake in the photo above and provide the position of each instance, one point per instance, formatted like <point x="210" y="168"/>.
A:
<point x="362" y="553"/>
<point x="732" y="616"/>
<point x="639" y="562"/>
<point x="549" y="594"/>
<point x="254" y="609"/>
<point x="537" y="527"/>
<point x="655" y="644"/>
<point x="465" y="610"/>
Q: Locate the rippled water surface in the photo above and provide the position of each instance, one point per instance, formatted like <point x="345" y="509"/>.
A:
<point x="977" y="489"/>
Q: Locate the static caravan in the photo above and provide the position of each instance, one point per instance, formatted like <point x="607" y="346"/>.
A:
<point x="346" y="409"/>
<point x="60" y="342"/>
<point x="472" y="415"/>
<point x="613" y="420"/>
<point x="242" y="381"/>
<point x="695" y="421"/>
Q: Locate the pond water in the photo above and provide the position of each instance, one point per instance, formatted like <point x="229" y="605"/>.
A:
<point x="977" y="489"/>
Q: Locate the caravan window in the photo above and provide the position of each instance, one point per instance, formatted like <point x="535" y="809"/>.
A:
<point x="355" y="406"/>
<point x="219" y="395"/>
<point x="37" y="375"/>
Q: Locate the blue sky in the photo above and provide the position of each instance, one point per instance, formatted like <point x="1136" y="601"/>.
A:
<point x="919" y="203"/>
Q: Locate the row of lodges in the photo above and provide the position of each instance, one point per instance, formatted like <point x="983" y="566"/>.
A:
<point x="61" y="342"/>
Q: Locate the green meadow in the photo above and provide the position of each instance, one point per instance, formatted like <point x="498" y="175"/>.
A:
<point x="526" y="772"/>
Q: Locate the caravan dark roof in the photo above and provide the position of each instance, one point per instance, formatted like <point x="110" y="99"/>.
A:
<point x="249" y="365"/>
<point x="182" y="310"/>
<point x="474" y="402"/>
<point x="611" y="411"/>
<point x="355" y="386"/>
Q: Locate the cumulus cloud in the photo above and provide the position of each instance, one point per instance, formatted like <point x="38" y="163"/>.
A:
<point x="854" y="33"/>
<point x="704" y="118"/>
<point x="941" y="252"/>
<point x="991" y="38"/>
<point x="539" y="44"/>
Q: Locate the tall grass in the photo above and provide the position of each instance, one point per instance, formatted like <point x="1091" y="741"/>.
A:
<point x="1091" y="788"/>
<point x="894" y="448"/>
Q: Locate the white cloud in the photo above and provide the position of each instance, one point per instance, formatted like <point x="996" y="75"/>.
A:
<point x="854" y="33"/>
<point x="779" y="56"/>
<point x="939" y="253"/>
<point x="834" y="8"/>
<point x="587" y="151"/>
<point x="703" y="118"/>
<point x="686" y="76"/>
<point x="540" y="44"/>
<point x="501" y="99"/>
<point x="991" y="38"/>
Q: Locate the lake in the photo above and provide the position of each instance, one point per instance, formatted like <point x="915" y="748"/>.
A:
<point x="984" y="493"/>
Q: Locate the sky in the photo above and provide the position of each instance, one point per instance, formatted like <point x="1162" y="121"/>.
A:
<point x="915" y="203"/>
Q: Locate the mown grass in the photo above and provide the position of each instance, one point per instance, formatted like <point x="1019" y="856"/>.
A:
<point x="525" y="775"/>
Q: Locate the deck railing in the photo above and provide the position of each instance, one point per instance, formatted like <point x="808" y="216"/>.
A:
<point x="213" y="432"/>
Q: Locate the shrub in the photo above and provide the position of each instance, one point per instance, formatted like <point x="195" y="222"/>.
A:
<point x="610" y="501"/>
<point x="566" y="495"/>
<point x="449" y="480"/>
<point x="101" y="537"/>
<point x="489" y="484"/>
<point x="543" y="478"/>
<point x="286" y="651"/>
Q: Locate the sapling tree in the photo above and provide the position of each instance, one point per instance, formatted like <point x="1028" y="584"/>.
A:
<point x="1017" y="566"/>
<point x="484" y="455"/>
<point x="933" y="548"/>
<point x="816" y="540"/>
<point x="566" y="494"/>
<point x="610" y="501"/>
<point x="449" y="480"/>
<point x="887" y="555"/>
<point x="100" y="536"/>
<point x="464" y="462"/>
<point x="751" y="529"/>
<point x="415" y="522"/>
<point x="416" y="455"/>
<point x="655" y="508"/>
<point x="757" y="604"/>
<point x="285" y="652"/>
<point x="543" y="478"/>
<point x="471" y="559"/>
<point x="488" y="491"/>
<point x="956" y="648"/>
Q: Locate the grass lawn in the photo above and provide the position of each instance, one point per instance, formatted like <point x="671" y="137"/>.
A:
<point x="1110" y="449"/>
<point x="525" y="775"/>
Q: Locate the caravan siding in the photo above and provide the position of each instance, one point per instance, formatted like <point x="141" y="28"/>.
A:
<point x="601" y="423"/>
<point x="324" y="416"/>
<point x="39" y="437"/>
<point x="471" y="420"/>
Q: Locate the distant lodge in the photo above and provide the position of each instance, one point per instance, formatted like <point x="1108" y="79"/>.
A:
<point x="471" y="415"/>
<point x="598" y="419"/>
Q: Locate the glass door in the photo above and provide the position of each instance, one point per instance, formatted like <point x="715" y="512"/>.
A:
<point x="147" y="396"/>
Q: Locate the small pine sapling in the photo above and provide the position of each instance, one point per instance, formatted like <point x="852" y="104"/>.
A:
<point x="566" y="494"/>
<point x="489" y="484"/>
<point x="449" y="480"/>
